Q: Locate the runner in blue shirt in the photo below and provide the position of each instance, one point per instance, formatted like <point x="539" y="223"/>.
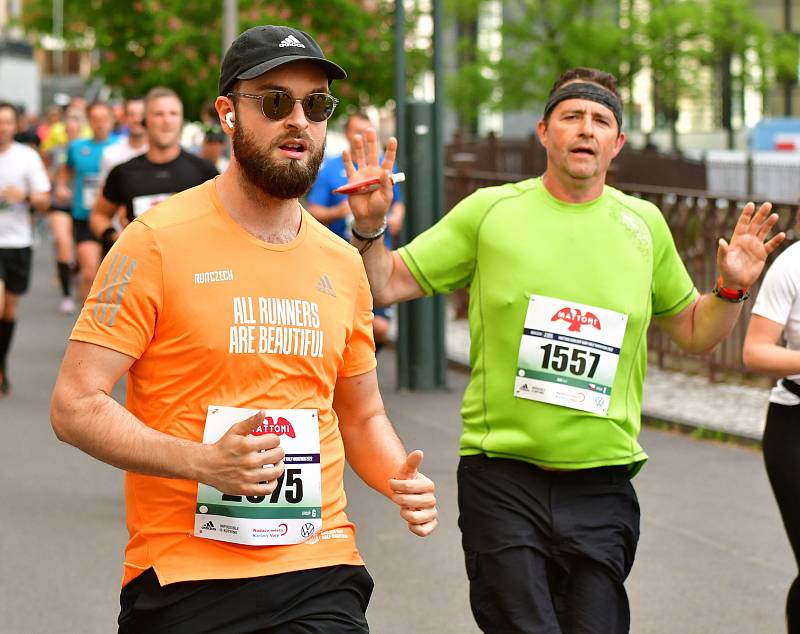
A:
<point x="78" y="181"/>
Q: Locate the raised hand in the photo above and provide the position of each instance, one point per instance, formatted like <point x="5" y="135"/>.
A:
<point x="741" y="261"/>
<point x="414" y="494"/>
<point x="370" y="208"/>
<point x="243" y="464"/>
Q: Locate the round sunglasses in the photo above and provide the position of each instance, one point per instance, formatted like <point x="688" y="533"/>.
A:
<point x="278" y="104"/>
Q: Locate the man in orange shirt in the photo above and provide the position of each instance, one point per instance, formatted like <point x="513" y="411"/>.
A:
<point x="245" y="329"/>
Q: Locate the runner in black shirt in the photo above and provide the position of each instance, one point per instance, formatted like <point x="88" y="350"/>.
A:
<point x="146" y="180"/>
<point x="140" y="183"/>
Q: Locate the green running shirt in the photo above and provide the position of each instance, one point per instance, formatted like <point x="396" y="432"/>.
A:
<point x="506" y="243"/>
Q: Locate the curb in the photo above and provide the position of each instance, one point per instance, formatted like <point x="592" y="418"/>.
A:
<point x="700" y="432"/>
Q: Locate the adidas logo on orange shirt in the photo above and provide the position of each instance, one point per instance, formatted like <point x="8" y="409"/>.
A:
<point x="324" y="286"/>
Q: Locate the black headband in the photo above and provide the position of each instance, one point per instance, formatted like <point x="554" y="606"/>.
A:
<point x="584" y="90"/>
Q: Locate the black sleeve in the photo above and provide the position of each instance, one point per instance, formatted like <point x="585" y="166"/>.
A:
<point x="209" y="169"/>
<point x="112" y="190"/>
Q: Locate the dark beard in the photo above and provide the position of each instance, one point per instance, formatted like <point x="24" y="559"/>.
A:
<point x="284" y="180"/>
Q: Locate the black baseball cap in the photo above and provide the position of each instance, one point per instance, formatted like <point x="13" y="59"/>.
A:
<point x="263" y="48"/>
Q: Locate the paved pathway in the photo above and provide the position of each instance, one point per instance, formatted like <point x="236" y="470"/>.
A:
<point x="688" y="400"/>
<point x="713" y="557"/>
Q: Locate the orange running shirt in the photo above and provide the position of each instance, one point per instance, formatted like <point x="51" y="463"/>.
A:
<point x="213" y="315"/>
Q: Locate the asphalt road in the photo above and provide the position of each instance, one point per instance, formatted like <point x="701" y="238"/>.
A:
<point x="713" y="557"/>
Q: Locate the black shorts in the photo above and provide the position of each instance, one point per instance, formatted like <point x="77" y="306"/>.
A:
<point x="547" y="551"/>
<point x="316" y="601"/>
<point x="60" y="205"/>
<point x="81" y="231"/>
<point x="15" y="269"/>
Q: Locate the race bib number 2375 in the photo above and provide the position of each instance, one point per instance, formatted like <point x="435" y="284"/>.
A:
<point x="293" y="511"/>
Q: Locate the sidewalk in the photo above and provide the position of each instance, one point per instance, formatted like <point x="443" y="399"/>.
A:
<point x="686" y="400"/>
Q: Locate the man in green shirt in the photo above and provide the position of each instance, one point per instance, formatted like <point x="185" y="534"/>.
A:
<point x="565" y="275"/>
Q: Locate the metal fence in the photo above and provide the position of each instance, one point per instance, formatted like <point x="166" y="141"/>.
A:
<point x="514" y="157"/>
<point x="758" y="174"/>
<point x="697" y="221"/>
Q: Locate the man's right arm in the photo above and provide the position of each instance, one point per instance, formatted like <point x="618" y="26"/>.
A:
<point x="389" y="278"/>
<point x="84" y="414"/>
<point x="100" y="219"/>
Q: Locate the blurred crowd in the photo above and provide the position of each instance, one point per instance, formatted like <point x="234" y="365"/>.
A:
<point x="107" y="163"/>
<point x="118" y="126"/>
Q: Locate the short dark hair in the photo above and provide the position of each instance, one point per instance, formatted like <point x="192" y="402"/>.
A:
<point x="131" y="100"/>
<point x="98" y="104"/>
<point x="591" y="75"/>
<point x="10" y="106"/>
<point x="157" y="93"/>
<point x="356" y="114"/>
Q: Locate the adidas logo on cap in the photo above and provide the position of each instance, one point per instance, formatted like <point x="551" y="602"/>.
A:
<point x="209" y="526"/>
<point x="291" y="40"/>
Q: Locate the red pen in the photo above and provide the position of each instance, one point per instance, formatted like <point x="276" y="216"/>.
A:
<point x="368" y="185"/>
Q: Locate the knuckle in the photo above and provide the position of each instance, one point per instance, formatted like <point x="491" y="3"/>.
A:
<point x="253" y="461"/>
<point x="268" y="487"/>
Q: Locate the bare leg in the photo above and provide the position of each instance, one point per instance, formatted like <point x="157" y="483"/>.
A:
<point x="89" y="254"/>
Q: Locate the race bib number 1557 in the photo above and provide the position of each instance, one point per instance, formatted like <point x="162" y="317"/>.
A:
<point x="568" y="354"/>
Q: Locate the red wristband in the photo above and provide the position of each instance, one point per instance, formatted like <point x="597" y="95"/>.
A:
<point x="730" y="294"/>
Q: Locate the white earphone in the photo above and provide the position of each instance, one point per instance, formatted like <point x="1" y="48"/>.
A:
<point x="229" y="120"/>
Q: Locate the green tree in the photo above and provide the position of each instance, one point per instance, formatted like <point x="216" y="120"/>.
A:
<point x="673" y="39"/>
<point x="541" y="39"/>
<point x="672" y="31"/>
<point x="173" y="43"/>
<point x="733" y="33"/>
<point x="780" y="57"/>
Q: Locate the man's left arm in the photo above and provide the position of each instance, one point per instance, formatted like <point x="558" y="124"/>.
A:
<point x="377" y="455"/>
<point x="703" y="324"/>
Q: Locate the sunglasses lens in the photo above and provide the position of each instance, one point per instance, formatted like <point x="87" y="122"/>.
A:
<point x="318" y="106"/>
<point x="277" y="105"/>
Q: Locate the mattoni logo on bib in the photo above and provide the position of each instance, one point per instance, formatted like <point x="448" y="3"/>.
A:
<point x="281" y="427"/>
<point x="577" y="319"/>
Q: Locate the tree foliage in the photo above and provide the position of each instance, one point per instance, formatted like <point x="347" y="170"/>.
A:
<point x="174" y="43"/>
<point x="542" y="38"/>
<point x="674" y="39"/>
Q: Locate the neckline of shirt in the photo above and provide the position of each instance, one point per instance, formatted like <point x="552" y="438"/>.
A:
<point x="562" y="205"/>
<point x="239" y="230"/>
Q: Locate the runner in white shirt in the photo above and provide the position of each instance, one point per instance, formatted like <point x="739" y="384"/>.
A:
<point x="23" y="184"/>
<point x="130" y="146"/>
<point x="777" y="312"/>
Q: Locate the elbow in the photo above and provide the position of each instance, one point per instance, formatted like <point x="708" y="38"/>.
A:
<point x="96" y="223"/>
<point x="707" y="350"/>
<point x="747" y="359"/>
<point x="751" y="359"/>
<point x="697" y="348"/>
<point x="59" y="419"/>
<point x="57" y="422"/>
<point x="40" y="202"/>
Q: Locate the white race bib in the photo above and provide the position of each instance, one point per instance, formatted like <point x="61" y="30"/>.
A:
<point x="141" y="204"/>
<point x="293" y="512"/>
<point x="569" y="354"/>
<point x="91" y="185"/>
